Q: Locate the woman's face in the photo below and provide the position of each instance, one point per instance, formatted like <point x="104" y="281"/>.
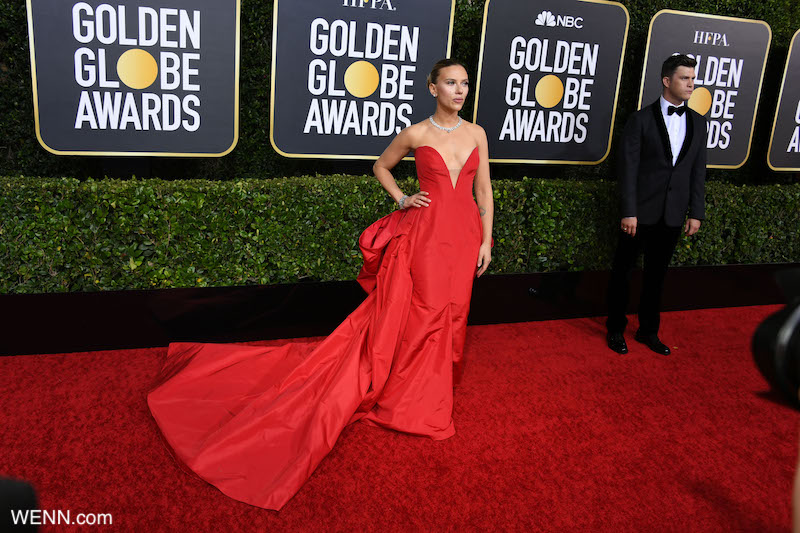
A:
<point x="451" y="87"/>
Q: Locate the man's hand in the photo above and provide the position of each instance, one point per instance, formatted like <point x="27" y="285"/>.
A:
<point x="692" y="225"/>
<point x="629" y="225"/>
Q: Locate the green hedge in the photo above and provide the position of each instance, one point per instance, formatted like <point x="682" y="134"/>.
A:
<point x="60" y="235"/>
<point x="254" y="156"/>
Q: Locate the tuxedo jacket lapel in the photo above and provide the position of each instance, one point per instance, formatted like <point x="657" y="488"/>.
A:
<point x="662" y="130"/>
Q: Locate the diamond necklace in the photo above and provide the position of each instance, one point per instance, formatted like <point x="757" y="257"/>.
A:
<point x="448" y="130"/>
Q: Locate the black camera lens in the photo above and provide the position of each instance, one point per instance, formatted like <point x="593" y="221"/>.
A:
<point x="776" y="348"/>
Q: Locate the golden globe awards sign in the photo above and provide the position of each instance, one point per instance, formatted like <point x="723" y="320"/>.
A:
<point x="348" y="75"/>
<point x="784" y="144"/>
<point x="548" y="79"/>
<point x="731" y="55"/>
<point x="154" y="78"/>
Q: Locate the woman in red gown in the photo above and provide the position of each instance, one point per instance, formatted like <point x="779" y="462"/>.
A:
<point x="256" y="421"/>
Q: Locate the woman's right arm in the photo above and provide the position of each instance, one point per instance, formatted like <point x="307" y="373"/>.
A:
<point x="394" y="153"/>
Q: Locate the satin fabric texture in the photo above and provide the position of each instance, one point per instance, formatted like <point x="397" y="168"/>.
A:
<point x="256" y="421"/>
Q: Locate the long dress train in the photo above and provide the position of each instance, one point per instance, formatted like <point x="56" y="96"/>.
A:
<point x="256" y="421"/>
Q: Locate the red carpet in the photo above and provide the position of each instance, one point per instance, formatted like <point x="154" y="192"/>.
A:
<point x="554" y="432"/>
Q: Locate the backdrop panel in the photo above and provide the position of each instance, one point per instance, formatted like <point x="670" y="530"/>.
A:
<point x="731" y="54"/>
<point x="548" y="79"/>
<point x="127" y="79"/>
<point x="349" y="75"/>
<point x="784" y="143"/>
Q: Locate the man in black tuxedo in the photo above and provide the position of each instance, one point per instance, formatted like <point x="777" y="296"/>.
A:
<point x="662" y="167"/>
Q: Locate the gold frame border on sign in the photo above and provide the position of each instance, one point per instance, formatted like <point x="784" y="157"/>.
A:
<point x="135" y="154"/>
<point x="616" y="94"/>
<point x="760" y="81"/>
<point x="777" y="108"/>
<point x="272" y="94"/>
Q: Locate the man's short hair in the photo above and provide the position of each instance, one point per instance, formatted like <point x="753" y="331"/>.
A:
<point x="673" y="62"/>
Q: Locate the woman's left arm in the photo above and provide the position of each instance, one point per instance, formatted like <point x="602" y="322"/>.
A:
<point x="485" y="201"/>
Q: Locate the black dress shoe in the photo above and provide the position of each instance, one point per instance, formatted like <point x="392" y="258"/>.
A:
<point x="617" y="343"/>
<point x="652" y="342"/>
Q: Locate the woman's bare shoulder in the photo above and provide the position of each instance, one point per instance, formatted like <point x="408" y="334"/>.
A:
<point x="415" y="134"/>
<point x="476" y="131"/>
<point x="474" y="128"/>
<point x="416" y="129"/>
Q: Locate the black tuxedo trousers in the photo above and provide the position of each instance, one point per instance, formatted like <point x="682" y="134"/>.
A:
<point x="657" y="243"/>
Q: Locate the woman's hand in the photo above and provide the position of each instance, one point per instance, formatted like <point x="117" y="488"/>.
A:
<point x="484" y="258"/>
<point x="417" y="200"/>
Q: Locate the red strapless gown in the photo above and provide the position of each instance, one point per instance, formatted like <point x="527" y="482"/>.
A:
<point x="256" y="421"/>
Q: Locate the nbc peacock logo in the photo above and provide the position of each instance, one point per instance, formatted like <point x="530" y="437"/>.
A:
<point x="546" y="18"/>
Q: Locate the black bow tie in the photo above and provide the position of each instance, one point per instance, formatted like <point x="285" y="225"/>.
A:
<point x="679" y="110"/>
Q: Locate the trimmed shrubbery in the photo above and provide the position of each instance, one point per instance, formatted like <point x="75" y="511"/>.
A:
<point x="68" y="235"/>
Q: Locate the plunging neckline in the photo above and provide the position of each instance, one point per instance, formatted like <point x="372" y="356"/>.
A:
<point x="458" y="178"/>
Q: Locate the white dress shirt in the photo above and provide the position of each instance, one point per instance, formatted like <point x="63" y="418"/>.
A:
<point x="676" y="128"/>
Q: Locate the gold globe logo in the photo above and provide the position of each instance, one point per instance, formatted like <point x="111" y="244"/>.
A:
<point x="549" y="91"/>
<point x="361" y="79"/>
<point x="137" y="69"/>
<point x="700" y="100"/>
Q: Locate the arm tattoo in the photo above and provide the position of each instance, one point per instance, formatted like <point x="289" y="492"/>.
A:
<point x="482" y="211"/>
